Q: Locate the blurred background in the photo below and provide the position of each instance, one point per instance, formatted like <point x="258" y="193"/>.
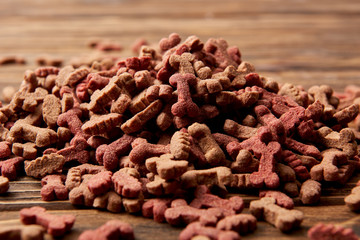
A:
<point x="299" y="41"/>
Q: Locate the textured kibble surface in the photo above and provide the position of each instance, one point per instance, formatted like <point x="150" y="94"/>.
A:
<point x="185" y="138"/>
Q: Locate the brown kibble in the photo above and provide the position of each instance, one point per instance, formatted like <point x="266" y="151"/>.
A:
<point x="8" y="93"/>
<point x="160" y="187"/>
<point x="244" y="163"/>
<point x="180" y="213"/>
<point x="4" y="185"/>
<point x="180" y="145"/>
<point x="237" y="130"/>
<point x="101" y="124"/>
<point x="240" y="223"/>
<point x="126" y="182"/>
<point x="199" y="231"/>
<point x="110" y="201"/>
<point x="137" y="122"/>
<point x="281" y="199"/>
<point x="55" y="225"/>
<point x="4" y="60"/>
<point x="213" y="176"/>
<point x="74" y="175"/>
<point x="213" y="153"/>
<point x="22" y="232"/>
<point x="80" y="194"/>
<point x="42" y="137"/>
<point x="42" y="166"/>
<point x="352" y="201"/>
<point x="328" y="169"/>
<point x="51" y="110"/>
<point x="170" y="42"/>
<point x="166" y="167"/>
<point x="282" y="218"/>
<point x="310" y="192"/>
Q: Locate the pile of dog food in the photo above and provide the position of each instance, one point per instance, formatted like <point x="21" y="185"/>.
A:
<point x="169" y="134"/>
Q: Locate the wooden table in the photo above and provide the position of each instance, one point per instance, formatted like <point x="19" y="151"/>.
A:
<point x="301" y="41"/>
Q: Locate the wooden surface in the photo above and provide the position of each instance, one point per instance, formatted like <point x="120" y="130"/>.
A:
<point x="303" y="42"/>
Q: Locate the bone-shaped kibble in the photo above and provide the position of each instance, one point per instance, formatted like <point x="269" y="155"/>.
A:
<point x="96" y="81"/>
<point x="204" y="199"/>
<point x="218" y="48"/>
<point x="53" y="188"/>
<point x="126" y="182"/>
<point x="108" y="155"/>
<point x="183" y="63"/>
<point x="121" y="104"/>
<point x="100" y="98"/>
<point x="137" y="122"/>
<point x="142" y="151"/>
<point x="180" y="145"/>
<point x="76" y="151"/>
<point x="266" y="150"/>
<point x="241" y="181"/>
<point x="143" y="79"/>
<point x="241" y="223"/>
<point x="213" y="153"/>
<point x="71" y="120"/>
<point x="296" y="93"/>
<point x="74" y="175"/>
<point x="285" y="172"/>
<point x="180" y="213"/>
<point x="237" y="130"/>
<point x="282" y="218"/>
<point x="76" y="76"/>
<point x="28" y="232"/>
<point x="81" y="194"/>
<point x="110" y="201"/>
<point x="344" y="140"/>
<point x="310" y="192"/>
<point x="244" y="162"/>
<point x="29" y="100"/>
<point x="42" y="137"/>
<point x="149" y="95"/>
<point x="113" y="229"/>
<point x="352" y="201"/>
<point x="305" y="149"/>
<point x="4" y="184"/>
<point x="323" y="93"/>
<point x="323" y="231"/>
<point x="12" y="167"/>
<point x="184" y="105"/>
<point x="101" y="124"/>
<point x="213" y="176"/>
<point x="281" y="198"/>
<point x="266" y="118"/>
<point x="295" y="163"/>
<point x="26" y="150"/>
<point x="160" y="187"/>
<point x="100" y="183"/>
<point x="51" y="109"/>
<point x="166" y="167"/>
<point x="55" y="225"/>
<point x="156" y="208"/>
<point x="198" y="229"/>
<point x="328" y="169"/>
<point x="42" y="166"/>
<point x="170" y="42"/>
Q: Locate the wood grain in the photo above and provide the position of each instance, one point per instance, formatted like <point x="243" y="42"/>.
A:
<point x="299" y="41"/>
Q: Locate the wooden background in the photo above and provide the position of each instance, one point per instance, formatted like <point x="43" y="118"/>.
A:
<point x="299" y="41"/>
